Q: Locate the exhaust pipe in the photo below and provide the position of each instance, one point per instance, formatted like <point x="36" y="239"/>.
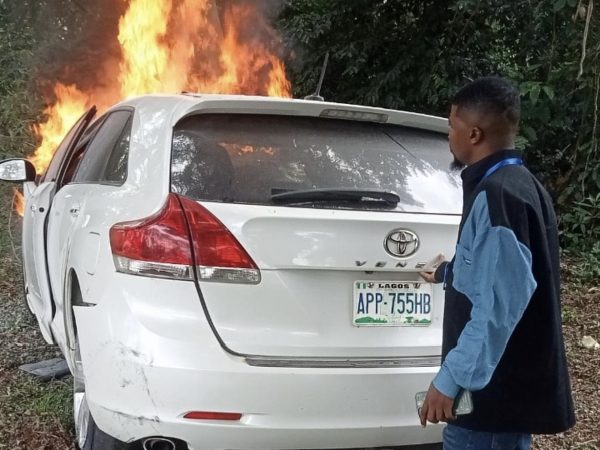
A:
<point x="159" y="443"/>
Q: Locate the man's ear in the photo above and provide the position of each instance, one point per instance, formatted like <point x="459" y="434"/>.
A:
<point x="476" y="135"/>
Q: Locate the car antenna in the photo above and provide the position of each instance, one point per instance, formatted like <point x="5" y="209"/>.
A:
<point x="317" y="95"/>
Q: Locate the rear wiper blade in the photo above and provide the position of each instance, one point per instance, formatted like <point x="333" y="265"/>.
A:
<point x="333" y="195"/>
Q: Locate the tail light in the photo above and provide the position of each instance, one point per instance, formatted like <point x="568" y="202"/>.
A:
<point x="158" y="246"/>
<point x="181" y="236"/>
<point x="217" y="253"/>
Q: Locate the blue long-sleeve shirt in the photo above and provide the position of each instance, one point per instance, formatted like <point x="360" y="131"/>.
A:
<point x="502" y="333"/>
<point x="494" y="271"/>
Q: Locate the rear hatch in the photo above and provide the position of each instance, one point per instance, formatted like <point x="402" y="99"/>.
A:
<point x="338" y="216"/>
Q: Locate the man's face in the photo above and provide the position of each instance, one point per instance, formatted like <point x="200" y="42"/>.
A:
<point x="460" y="138"/>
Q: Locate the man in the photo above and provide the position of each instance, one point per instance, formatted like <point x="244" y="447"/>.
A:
<point x="502" y="336"/>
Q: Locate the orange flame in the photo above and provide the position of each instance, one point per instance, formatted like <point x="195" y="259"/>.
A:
<point x="141" y="32"/>
<point x="247" y="66"/>
<point x="18" y="202"/>
<point x="170" y="46"/>
<point x="70" y="106"/>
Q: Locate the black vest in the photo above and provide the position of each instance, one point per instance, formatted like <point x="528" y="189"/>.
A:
<point x="529" y="391"/>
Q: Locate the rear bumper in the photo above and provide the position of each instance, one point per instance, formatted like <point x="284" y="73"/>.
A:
<point x="150" y="357"/>
<point x="281" y="410"/>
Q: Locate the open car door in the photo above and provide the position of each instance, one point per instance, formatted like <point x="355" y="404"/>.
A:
<point x="38" y="200"/>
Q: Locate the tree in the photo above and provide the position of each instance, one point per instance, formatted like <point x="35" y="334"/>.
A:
<point x="413" y="55"/>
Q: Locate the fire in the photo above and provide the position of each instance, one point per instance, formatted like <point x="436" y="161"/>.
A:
<point x="70" y="106"/>
<point x="173" y="46"/>
<point x="246" y="64"/>
<point x="279" y="86"/>
<point x="189" y="47"/>
<point x="141" y="32"/>
<point x="18" y="202"/>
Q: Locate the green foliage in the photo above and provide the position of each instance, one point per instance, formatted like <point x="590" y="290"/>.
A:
<point x="569" y="314"/>
<point x="398" y="54"/>
<point x="589" y="265"/>
<point x="413" y="55"/>
<point x="18" y="107"/>
<point x="583" y="266"/>
<point x="579" y="225"/>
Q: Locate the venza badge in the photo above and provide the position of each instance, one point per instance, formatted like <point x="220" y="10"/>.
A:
<point x="401" y="243"/>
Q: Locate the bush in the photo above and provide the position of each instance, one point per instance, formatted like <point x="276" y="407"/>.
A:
<point x="580" y="233"/>
<point x="19" y="107"/>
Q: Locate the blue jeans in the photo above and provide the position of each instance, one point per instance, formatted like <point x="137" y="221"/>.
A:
<point x="457" y="438"/>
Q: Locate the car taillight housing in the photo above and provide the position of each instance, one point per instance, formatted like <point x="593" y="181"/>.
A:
<point x="182" y="238"/>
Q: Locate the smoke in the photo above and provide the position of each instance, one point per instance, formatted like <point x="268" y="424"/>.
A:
<point x="269" y="9"/>
<point x="77" y="43"/>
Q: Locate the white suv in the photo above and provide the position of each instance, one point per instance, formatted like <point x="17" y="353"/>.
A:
<point x="242" y="272"/>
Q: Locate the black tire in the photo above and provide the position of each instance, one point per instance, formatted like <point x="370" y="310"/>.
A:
<point x="99" y="440"/>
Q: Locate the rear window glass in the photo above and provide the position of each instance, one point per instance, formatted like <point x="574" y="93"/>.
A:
<point x="246" y="158"/>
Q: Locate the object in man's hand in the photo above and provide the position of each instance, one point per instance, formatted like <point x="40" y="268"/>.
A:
<point x="463" y="403"/>
<point x="433" y="263"/>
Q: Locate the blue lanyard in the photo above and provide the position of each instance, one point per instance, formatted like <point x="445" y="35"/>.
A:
<point x="504" y="162"/>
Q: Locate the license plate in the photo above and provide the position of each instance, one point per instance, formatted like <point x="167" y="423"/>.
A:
<point x="392" y="303"/>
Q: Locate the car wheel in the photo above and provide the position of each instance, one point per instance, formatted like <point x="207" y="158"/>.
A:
<point x="81" y="412"/>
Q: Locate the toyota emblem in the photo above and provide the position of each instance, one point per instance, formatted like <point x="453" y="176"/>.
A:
<point x="401" y="243"/>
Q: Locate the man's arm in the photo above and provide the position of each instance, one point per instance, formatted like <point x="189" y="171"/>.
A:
<point x="493" y="269"/>
<point x="500" y="291"/>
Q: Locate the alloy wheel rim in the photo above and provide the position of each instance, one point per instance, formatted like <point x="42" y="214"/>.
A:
<point x="81" y="411"/>
<point x="82" y="417"/>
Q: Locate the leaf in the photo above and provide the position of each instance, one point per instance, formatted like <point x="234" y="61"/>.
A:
<point x="558" y="5"/>
<point x="534" y="93"/>
<point x="549" y="92"/>
<point x="529" y="133"/>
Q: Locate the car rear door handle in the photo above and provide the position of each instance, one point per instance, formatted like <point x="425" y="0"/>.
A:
<point x="74" y="211"/>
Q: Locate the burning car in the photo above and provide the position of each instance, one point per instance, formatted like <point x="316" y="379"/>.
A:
<point x="242" y="272"/>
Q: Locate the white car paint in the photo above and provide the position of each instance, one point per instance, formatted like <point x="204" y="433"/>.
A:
<point x="37" y="201"/>
<point x="150" y="353"/>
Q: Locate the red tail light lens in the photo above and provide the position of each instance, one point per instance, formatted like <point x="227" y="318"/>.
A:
<point x="156" y="246"/>
<point x="159" y="246"/>
<point x="218" y="254"/>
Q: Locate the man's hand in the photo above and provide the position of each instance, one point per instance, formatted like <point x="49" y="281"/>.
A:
<point x="428" y="276"/>
<point x="430" y="268"/>
<point x="436" y="408"/>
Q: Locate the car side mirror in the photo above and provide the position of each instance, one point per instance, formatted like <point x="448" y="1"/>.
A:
<point x="17" y="170"/>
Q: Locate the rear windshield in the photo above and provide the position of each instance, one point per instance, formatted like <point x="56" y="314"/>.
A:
<point x="246" y="158"/>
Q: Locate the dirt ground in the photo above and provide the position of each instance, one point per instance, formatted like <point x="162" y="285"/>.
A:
<point x="37" y="416"/>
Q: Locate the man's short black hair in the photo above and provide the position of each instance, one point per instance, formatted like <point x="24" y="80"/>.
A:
<point x="491" y="95"/>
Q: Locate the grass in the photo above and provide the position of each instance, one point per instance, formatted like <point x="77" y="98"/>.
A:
<point x="569" y="314"/>
<point x="51" y="399"/>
